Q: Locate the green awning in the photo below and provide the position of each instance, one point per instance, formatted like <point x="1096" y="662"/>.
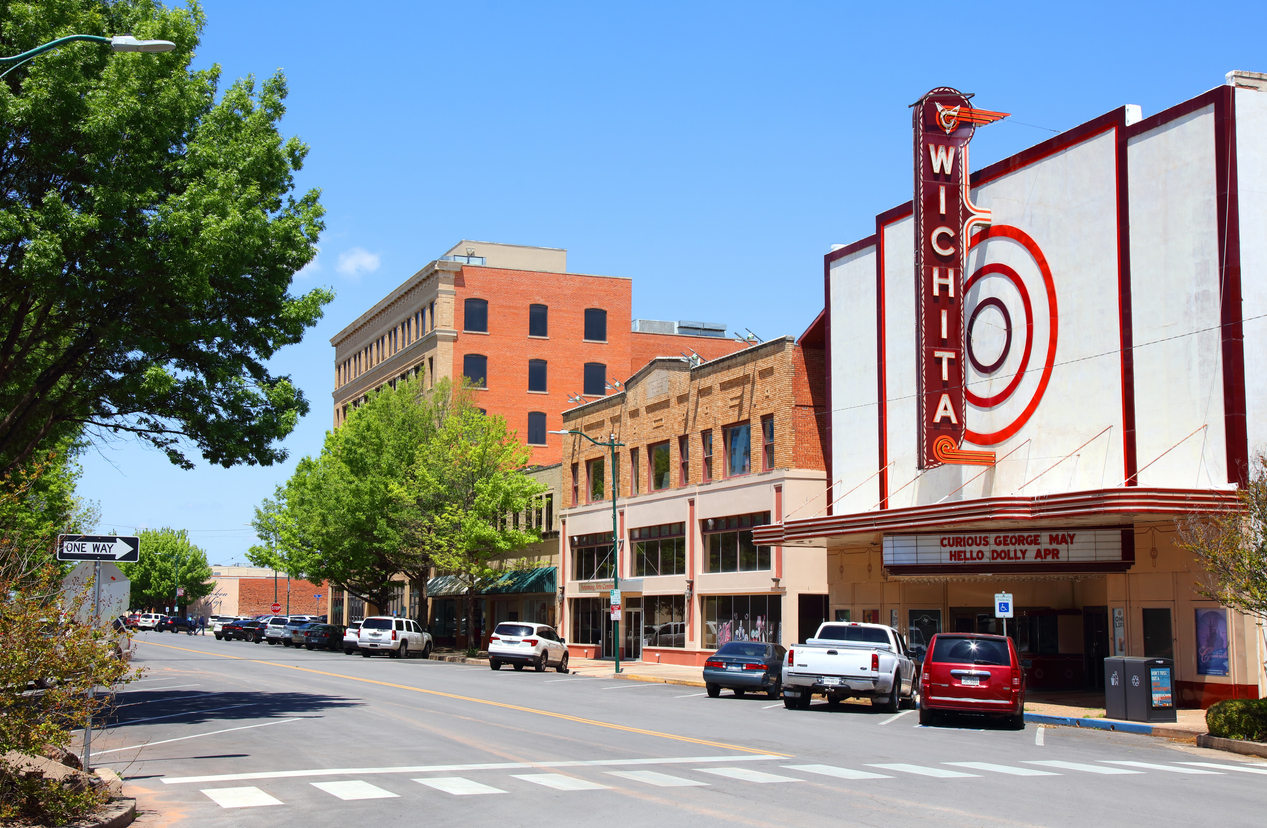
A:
<point x="542" y="579"/>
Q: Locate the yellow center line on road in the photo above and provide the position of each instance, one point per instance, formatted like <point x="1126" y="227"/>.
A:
<point x="564" y="716"/>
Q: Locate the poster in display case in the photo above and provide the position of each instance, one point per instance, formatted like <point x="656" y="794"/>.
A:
<point x="1211" y="641"/>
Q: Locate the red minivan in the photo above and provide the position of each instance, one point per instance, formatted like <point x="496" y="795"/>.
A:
<point x="972" y="673"/>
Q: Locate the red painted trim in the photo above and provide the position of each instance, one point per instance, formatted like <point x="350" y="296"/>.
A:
<point x="1236" y="435"/>
<point x="778" y="518"/>
<point x="829" y="426"/>
<point x="1090" y="505"/>
<point x="1205" y="693"/>
<point x="1126" y="325"/>
<point x="849" y="249"/>
<point x="881" y="360"/>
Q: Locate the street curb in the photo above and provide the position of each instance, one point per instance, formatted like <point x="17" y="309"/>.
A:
<point x="117" y="813"/>
<point x="458" y="659"/>
<point x="655" y="679"/>
<point x="1108" y="724"/>
<point x="1205" y="740"/>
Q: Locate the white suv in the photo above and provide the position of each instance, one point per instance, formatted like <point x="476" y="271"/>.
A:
<point x="148" y="620"/>
<point x="398" y="637"/>
<point x="276" y="629"/>
<point x="518" y="643"/>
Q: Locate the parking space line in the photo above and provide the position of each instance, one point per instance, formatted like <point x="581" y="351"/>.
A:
<point x="768" y="706"/>
<point x="185" y="713"/>
<point x="195" y="736"/>
<point x="896" y="717"/>
<point x="633" y="685"/>
<point x="1038" y="735"/>
<point x="690" y="695"/>
<point x="167" y="687"/>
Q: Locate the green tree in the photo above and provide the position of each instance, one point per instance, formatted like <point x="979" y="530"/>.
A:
<point x="465" y="483"/>
<point x="149" y="232"/>
<point x="168" y="561"/>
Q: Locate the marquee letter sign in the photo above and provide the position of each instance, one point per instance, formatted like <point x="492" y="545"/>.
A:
<point x="944" y="219"/>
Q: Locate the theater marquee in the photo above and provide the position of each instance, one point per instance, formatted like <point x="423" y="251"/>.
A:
<point x="1011" y="550"/>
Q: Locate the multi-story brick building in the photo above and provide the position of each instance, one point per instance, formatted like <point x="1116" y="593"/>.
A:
<point x="709" y="451"/>
<point x="252" y="590"/>
<point x="519" y="325"/>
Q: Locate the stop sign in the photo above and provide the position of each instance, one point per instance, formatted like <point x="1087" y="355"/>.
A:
<point x="276" y="608"/>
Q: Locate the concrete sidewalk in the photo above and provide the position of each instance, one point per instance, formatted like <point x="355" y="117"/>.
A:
<point x="1058" y="709"/>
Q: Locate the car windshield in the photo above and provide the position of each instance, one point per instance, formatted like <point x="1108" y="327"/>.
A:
<point x="735" y="648"/>
<point x="518" y="630"/>
<point x="376" y="624"/>
<point x="844" y="632"/>
<point x="971" y="651"/>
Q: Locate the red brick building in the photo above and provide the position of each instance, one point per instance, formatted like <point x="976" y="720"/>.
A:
<point x="251" y="590"/>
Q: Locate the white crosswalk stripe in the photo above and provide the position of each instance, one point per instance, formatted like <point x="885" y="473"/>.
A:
<point x="561" y="782"/>
<point x="839" y="773"/>
<point x="458" y="786"/>
<point x="746" y="775"/>
<point x="1079" y="766"/>
<point x="1008" y="769"/>
<point x="941" y="773"/>
<point x="1154" y="766"/>
<point x="660" y="780"/>
<point x="240" y="797"/>
<point x="1241" y="768"/>
<point x="354" y="789"/>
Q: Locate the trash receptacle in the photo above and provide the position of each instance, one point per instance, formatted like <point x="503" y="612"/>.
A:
<point x="1114" y="688"/>
<point x="1149" y="685"/>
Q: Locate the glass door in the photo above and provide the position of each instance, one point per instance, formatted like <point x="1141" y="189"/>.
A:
<point x="633" y="634"/>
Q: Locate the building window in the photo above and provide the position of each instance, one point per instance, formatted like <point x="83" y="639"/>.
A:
<point x="730" y="546"/>
<point x="475" y="316"/>
<point x="594" y="473"/>
<point x="664" y="620"/>
<point x="635" y="483"/>
<point x="475" y="368"/>
<point x="549" y="513"/>
<point x="659" y="550"/>
<point x="706" y="444"/>
<point x="536" y="428"/>
<point x="433" y="316"/>
<point x="595" y="325"/>
<point x="738" y="449"/>
<point x="589" y="619"/>
<point x="595" y="384"/>
<point x="576" y="485"/>
<point x="431" y="370"/>
<point x="592" y="557"/>
<point x="536" y="375"/>
<point x="658" y="459"/>
<point x="538" y="320"/>
<point x="767" y="442"/>
<point x="684" y="461"/>
<point x="742" y="618"/>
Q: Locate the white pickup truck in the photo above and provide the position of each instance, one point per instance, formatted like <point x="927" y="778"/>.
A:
<point x="847" y="659"/>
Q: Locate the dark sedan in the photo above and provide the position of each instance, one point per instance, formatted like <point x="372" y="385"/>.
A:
<point x="169" y="623"/>
<point x="745" y="665"/>
<point x="314" y="635"/>
<point x="245" y="630"/>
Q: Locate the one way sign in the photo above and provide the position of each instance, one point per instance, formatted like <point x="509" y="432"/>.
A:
<point x="98" y="548"/>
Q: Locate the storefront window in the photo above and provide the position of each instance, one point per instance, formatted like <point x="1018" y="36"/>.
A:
<point x="924" y="624"/>
<point x="592" y="556"/>
<point x="356" y="609"/>
<point x="337" y="599"/>
<point x="730" y="546"/>
<point x="742" y="618"/>
<point x="664" y="620"/>
<point x="659" y="550"/>
<point x="588" y="618"/>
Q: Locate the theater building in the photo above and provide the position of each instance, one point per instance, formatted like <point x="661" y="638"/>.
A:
<point x="1036" y="369"/>
<point x="709" y="452"/>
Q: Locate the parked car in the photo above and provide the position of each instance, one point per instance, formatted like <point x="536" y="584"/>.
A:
<point x="275" y="629"/>
<point x="315" y="634"/>
<point x="132" y="619"/>
<point x="147" y="620"/>
<point x="170" y="623"/>
<point x="351" y="641"/>
<point x="846" y="659"/>
<point x="398" y="637"/>
<point x="972" y="673"/>
<point x="295" y="622"/>
<point x="244" y="631"/>
<point x="518" y="644"/>
<point x="741" y="666"/>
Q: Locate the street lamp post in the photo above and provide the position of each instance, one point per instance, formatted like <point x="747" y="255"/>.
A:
<point x="119" y="43"/>
<point x="611" y="445"/>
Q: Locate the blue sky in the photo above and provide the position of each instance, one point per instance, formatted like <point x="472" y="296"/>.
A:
<point x="713" y="152"/>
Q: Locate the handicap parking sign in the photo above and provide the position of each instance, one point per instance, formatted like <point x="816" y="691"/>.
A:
<point x="1003" y="605"/>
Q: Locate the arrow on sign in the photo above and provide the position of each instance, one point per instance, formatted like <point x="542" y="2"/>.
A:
<point x="98" y="548"/>
<point x="120" y="548"/>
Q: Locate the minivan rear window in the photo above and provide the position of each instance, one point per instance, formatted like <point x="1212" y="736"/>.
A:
<point x="734" y="648"/>
<point x="376" y="624"/>
<point x="518" y="630"/>
<point x="971" y="651"/>
<point x="842" y="632"/>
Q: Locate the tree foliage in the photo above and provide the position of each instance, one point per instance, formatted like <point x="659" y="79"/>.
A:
<point x="148" y="236"/>
<point x="168" y="560"/>
<point x="413" y="479"/>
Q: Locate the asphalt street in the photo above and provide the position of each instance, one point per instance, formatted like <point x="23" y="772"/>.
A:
<point x="238" y="734"/>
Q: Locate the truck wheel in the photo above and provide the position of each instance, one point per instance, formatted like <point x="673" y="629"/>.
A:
<point x="713" y="690"/>
<point x="792" y="702"/>
<point x="889" y="703"/>
<point x="908" y="703"/>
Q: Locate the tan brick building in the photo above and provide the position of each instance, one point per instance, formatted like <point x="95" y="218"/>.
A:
<point x="710" y="450"/>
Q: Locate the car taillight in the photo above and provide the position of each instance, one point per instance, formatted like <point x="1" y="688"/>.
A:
<point x="531" y="642"/>
<point x="494" y="638"/>
<point x="789" y="657"/>
<point x="1016" y="675"/>
<point x="754" y="666"/>
<point x="715" y="664"/>
<point x="875" y="662"/>
<point x="393" y="635"/>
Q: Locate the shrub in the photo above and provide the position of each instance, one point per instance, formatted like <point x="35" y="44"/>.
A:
<point x="1238" y="719"/>
<point x="29" y="795"/>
